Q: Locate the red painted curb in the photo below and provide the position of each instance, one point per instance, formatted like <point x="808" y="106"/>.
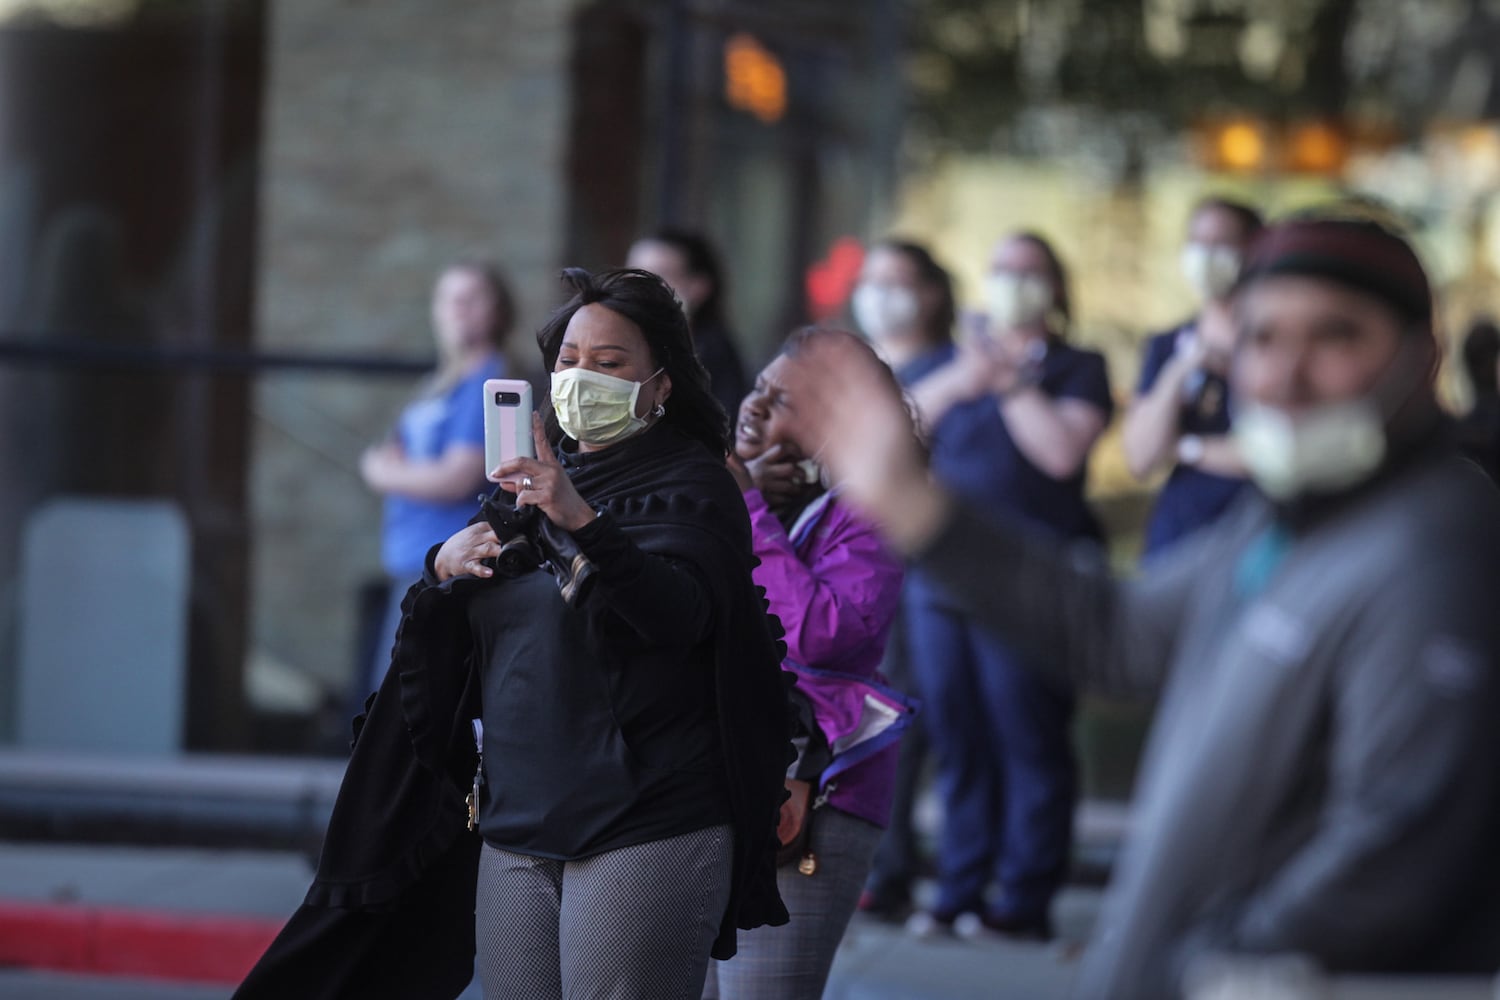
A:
<point x="108" y="941"/>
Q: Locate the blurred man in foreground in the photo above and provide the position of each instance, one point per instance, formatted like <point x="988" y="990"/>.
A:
<point x="1324" y="772"/>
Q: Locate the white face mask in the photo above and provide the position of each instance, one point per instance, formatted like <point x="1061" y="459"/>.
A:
<point x="1324" y="450"/>
<point x="1211" y="269"/>
<point x="1016" y="300"/>
<point x="883" y="310"/>
<point x="1331" y="447"/>
<point x="595" y="408"/>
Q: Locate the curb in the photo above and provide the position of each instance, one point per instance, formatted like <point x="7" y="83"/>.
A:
<point x="112" y="941"/>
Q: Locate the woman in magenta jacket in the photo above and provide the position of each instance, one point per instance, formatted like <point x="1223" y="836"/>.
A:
<point x="835" y="587"/>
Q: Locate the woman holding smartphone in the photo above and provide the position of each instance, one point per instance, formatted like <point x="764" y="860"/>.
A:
<point x="601" y="620"/>
<point x="831" y="581"/>
<point x="628" y="793"/>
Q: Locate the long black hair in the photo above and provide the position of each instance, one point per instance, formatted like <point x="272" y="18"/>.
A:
<point x="646" y="301"/>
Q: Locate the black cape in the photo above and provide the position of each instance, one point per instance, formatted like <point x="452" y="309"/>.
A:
<point x="391" y="909"/>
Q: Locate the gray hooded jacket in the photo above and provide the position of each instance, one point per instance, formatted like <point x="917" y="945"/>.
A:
<point x="1323" y="775"/>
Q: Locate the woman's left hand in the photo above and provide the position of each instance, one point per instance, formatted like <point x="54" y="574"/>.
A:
<point x="543" y="483"/>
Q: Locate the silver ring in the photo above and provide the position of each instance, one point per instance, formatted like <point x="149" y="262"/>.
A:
<point x="525" y="483"/>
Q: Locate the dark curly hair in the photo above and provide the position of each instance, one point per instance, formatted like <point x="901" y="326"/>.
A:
<point x="646" y="301"/>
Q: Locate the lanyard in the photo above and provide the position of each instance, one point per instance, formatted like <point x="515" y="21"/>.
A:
<point x="1260" y="560"/>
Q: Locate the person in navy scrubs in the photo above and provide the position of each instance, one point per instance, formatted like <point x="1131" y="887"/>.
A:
<point x="1179" y="419"/>
<point x="1012" y="411"/>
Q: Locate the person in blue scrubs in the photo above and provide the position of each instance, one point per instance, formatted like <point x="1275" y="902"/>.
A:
<point x="431" y="467"/>
<point x="1012" y="412"/>
<point x="1180" y="416"/>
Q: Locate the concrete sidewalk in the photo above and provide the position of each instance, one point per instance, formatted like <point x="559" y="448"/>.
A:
<point x="87" y="923"/>
<point x="101" y="921"/>
<point x="174" y="912"/>
<point x="177" y="911"/>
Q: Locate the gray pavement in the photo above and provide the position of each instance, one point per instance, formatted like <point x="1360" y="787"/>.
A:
<point x="266" y="884"/>
<point x="876" y="962"/>
<point x="239" y="807"/>
<point x="16" y="984"/>
<point x="882" y="962"/>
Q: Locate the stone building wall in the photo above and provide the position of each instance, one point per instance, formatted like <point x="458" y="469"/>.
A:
<point x="398" y="135"/>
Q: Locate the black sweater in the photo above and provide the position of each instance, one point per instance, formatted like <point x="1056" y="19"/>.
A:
<point x="396" y="876"/>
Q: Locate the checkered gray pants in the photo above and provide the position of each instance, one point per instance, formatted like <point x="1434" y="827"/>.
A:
<point x="631" y="924"/>
<point x="792" y="962"/>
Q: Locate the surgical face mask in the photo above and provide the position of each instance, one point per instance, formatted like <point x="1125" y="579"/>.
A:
<point x="1328" y="448"/>
<point x="1324" y="450"/>
<point x="1016" y="300"/>
<point x="883" y="310"/>
<point x="1210" y="269"/>
<point x="594" y="408"/>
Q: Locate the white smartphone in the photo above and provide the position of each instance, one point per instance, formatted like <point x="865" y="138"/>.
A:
<point x="507" y="422"/>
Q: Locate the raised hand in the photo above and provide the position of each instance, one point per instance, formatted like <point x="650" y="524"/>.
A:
<point x="543" y="483"/>
<point x="867" y="438"/>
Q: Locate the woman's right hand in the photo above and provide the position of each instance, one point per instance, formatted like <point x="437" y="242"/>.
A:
<point x="778" y="476"/>
<point x="463" y="553"/>
<point x="867" y="440"/>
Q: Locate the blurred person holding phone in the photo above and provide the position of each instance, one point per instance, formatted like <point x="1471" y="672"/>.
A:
<point x="835" y="587"/>
<point x="1011" y="414"/>
<point x="1180" y="417"/>
<point x="432" y="465"/>
<point x="1321" y="775"/>
<point x="600" y="619"/>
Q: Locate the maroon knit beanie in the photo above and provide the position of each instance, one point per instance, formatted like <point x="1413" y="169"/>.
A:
<point x="1359" y="254"/>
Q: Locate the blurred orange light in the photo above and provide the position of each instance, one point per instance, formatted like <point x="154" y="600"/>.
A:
<point x="753" y="78"/>
<point x="1317" y="148"/>
<point x="1240" y="146"/>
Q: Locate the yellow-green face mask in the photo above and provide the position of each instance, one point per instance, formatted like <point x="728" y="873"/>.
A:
<point x="595" y="408"/>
